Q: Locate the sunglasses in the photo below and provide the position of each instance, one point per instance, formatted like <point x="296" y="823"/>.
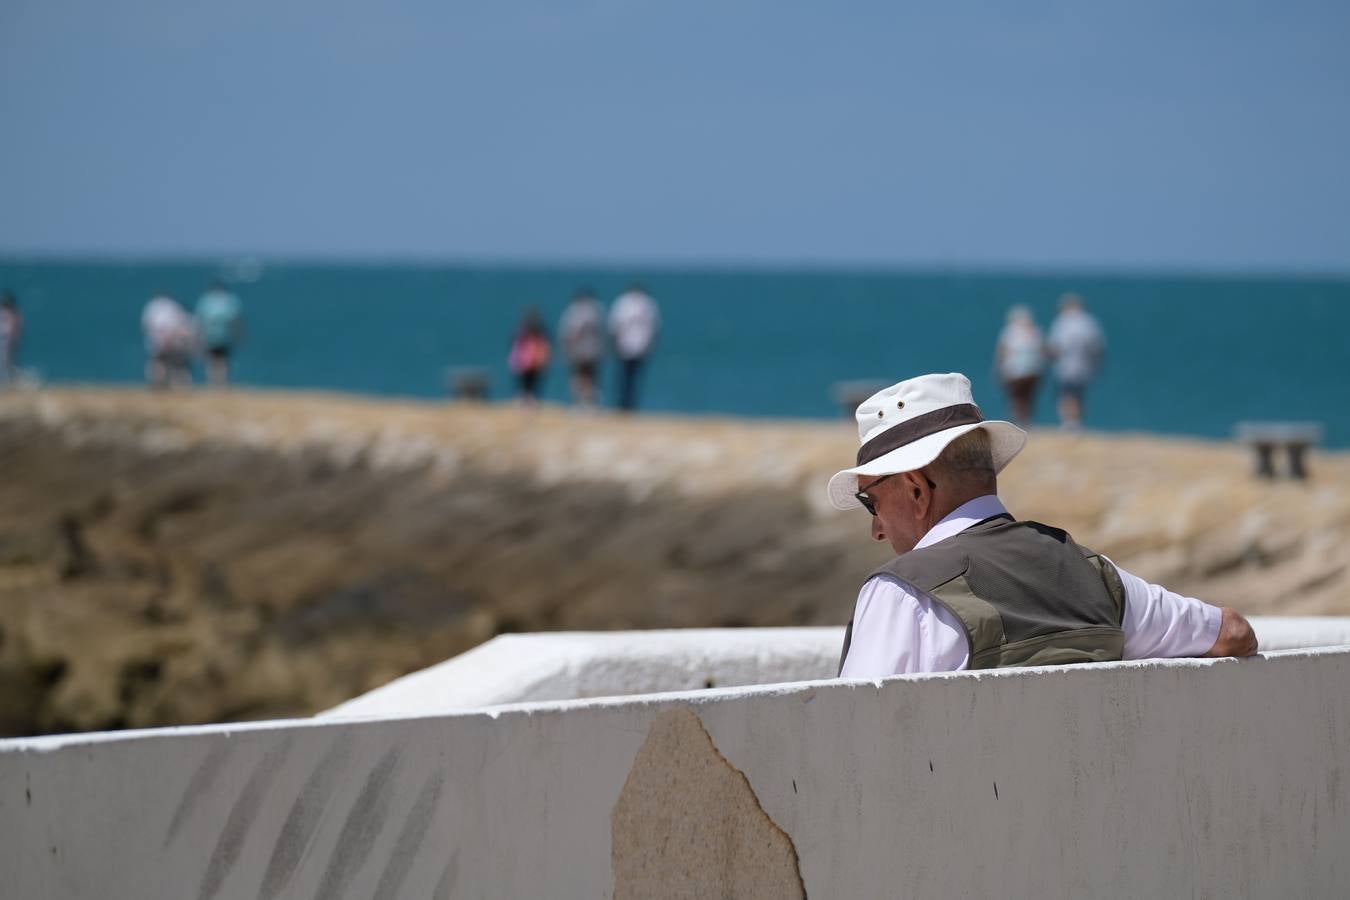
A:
<point x="869" y="504"/>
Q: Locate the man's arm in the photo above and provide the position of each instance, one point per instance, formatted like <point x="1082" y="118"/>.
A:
<point x="900" y="630"/>
<point x="1236" y="637"/>
<point x="1160" y="624"/>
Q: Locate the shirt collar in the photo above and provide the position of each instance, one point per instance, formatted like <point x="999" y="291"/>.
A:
<point x="961" y="518"/>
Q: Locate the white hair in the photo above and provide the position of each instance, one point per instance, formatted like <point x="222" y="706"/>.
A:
<point x="969" y="458"/>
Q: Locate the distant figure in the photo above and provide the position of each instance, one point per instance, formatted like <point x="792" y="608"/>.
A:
<point x="582" y="333"/>
<point x="633" y="324"/>
<point x="530" y="352"/>
<point x="170" y="341"/>
<point x="1019" y="357"/>
<point x="11" y="332"/>
<point x="220" y="325"/>
<point x="1076" y="345"/>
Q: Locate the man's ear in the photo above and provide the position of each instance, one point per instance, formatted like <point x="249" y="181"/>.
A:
<point x="917" y="486"/>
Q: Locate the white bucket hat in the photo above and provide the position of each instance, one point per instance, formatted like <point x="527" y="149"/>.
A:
<point x="905" y="426"/>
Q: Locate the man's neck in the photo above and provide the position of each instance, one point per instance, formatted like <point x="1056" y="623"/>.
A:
<point x="962" y="517"/>
<point x="943" y="510"/>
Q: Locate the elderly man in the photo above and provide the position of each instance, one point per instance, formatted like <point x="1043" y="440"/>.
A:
<point x="974" y="588"/>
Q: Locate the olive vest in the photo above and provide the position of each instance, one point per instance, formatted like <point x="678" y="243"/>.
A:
<point x="1024" y="593"/>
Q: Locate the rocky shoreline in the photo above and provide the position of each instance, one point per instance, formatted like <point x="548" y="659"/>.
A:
<point x="170" y="559"/>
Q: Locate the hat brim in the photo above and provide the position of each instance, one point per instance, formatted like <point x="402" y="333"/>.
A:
<point x="1006" y="440"/>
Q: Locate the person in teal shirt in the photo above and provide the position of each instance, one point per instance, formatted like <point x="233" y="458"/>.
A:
<point x="220" y="324"/>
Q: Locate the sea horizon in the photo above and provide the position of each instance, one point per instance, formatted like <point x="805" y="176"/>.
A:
<point x="1189" y="353"/>
<point x="687" y="265"/>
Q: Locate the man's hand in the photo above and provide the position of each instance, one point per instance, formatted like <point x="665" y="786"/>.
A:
<point x="1236" y="637"/>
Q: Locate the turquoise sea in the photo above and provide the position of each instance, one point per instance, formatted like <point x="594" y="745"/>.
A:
<point x="1187" y="354"/>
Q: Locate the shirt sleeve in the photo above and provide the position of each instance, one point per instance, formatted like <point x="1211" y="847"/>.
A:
<point x="1161" y="624"/>
<point x="898" y="630"/>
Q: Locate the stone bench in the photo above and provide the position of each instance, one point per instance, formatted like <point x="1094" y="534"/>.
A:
<point x="1267" y="437"/>
<point x="467" y="382"/>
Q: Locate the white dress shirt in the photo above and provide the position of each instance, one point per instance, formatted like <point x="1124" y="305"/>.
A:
<point x="899" y="629"/>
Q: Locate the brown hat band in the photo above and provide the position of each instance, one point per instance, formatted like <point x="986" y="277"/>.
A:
<point x="920" y="426"/>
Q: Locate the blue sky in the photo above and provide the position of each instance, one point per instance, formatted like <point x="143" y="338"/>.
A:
<point x="1030" y="134"/>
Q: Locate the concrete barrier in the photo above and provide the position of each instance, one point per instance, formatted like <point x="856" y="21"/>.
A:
<point x="1159" y="778"/>
<point x="520" y="668"/>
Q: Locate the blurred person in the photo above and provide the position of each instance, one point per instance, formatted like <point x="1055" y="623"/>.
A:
<point x="1077" y="346"/>
<point x="170" y="342"/>
<point x="582" y="333"/>
<point x="529" y="357"/>
<point x="11" y="333"/>
<point x="971" y="587"/>
<point x="220" y="326"/>
<point x="633" y="324"/>
<point x="1019" y="357"/>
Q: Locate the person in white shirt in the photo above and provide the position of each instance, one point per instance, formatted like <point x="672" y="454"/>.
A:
<point x="1019" y="357"/>
<point x="1077" y="345"/>
<point x="972" y="587"/>
<point x="633" y="324"/>
<point x="170" y="341"/>
<point x="582" y="332"/>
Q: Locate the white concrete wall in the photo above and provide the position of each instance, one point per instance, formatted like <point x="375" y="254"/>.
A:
<point x="1152" y="779"/>
<point x="519" y="668"/>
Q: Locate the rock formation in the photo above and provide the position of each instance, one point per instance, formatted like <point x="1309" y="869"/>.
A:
<point x="169" y="559"/>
